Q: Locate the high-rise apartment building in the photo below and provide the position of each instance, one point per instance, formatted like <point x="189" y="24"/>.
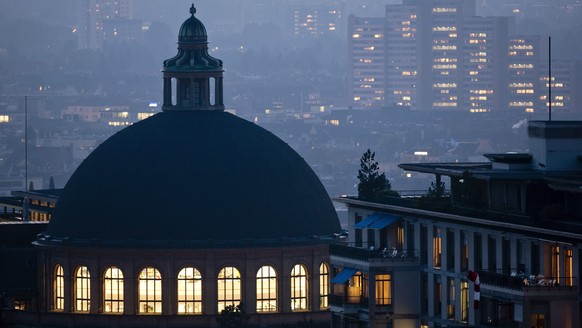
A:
<point x="101" y="19"/>
<point x="524" y="57"/>
<point x="367" y="61"/>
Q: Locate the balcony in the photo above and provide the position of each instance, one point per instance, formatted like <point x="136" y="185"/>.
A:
<point x="375" y="257"/>
<point x="348" y="304"/>
<point x="530" y="285"/>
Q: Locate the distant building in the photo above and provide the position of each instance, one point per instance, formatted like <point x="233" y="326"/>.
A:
<point x="102" y="20"/>
<point x="513" y="222"/>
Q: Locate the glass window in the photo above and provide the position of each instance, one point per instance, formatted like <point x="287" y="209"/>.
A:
<point x="299" y="288"/>
<point x="82" y="289"/>
<point x="266" y="289"/>
<point x="383" y="289"/>
<point x="464" y="300"/>
<point x="113" y="290"/>
<point x="323" y="286"/>
<point x="436" y="248"/>
<point x="189" y="291"/>
<point x="229" y="287"/>
<point x="568" y="267"/>
<point x="59" y="288"/>
<point x="150" y="291"/>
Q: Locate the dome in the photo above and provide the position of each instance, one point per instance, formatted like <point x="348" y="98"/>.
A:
<point x="192" y="29"/>
<point x="183" y="176"/>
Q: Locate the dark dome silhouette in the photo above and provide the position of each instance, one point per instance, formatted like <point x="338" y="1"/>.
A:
<point x="192" y="29"/>
<point x="190" y="176"/>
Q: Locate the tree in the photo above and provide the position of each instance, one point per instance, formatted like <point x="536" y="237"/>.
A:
<point x="437" y="188"/>
<point x="233" y="317"/>
<point x="372" y="183"/>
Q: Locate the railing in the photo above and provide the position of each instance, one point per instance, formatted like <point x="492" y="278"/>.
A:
<point x="522" y="282"/>
<point x="341" y="300"/>
<point x="366" y="254"/>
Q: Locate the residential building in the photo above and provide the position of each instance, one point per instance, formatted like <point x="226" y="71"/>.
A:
<point x="515" y="221"/>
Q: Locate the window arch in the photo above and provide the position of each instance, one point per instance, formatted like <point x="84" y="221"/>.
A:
<point x="59" y="288"/>
<point x="150" y="291"/>
<point x="266" y="289"/>
<point x="82" y="289"/>
<point x="298" y="288"/>
<point x="189" y="291"/>
<point x="229" y="287"/>
<point x="323" y="286"/>
<point x="113" y="290"/>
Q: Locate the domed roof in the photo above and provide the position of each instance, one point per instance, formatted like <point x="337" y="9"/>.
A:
<point x="183" y="176"/>
<point x="192" y="29"/>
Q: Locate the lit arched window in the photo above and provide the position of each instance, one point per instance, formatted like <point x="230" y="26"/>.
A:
<point x="323" y="286"/>
<point x="150" y="291"/>
<point x="229" y="287"/>
<point x="59" y="289"/>
<point x="298" y="288"/>
<point x="113" y="290"/>
<point x="189" y="291"/>
<point x="266" y="289"/>
<point x="82" y="289"/>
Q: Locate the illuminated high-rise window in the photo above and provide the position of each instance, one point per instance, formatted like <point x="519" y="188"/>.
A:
<point x="59" y="288"/>
<point x="299" y="288"/>
<point x="189" y="291"/>
<point x="555" y="261"/>
<point x="150" y="291"/>
<point x="464" y="300"/>
<point x="229" y="287"/>
<point x="113" y="290"/>
<point x="323" y="286"/>
<point x="383" y="289"/>
<point x="266" y="289"/>
<point x="451" y="298"/>
<point x="82" y="289"/>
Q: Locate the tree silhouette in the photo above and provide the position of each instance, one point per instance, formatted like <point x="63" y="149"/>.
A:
<point x="233" y="317"/>
<point x="372" y="183"/>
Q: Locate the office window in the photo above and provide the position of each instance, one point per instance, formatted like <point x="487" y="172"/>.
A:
<point x="323" y="286"/>
<point x="150" y="291"/>
<point x="229" y="287"/>
<point x="189" y="291"/>
<point x="299" y="288"/>
<point x="59" y="288"/>
<point x="113" y="290"/>
<point x="266" y="289"/>
<point x="383" y="289"/>
<point x="82" y="289"/>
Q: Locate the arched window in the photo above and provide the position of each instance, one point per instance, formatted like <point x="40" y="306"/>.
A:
<point x="323" y="286"/>
<point x="82" y="289"/>
<point x="59" y="289"/>
<point x="299" y="288"/>
<point x="229" y="287"/>
<point x="189" y="291"/>
<point x="113" y="290"/>
<point x="266" y="289"/>
<point x="150" y="291"/>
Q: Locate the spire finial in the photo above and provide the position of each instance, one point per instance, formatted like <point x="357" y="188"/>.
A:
<point x="192" y="10"/>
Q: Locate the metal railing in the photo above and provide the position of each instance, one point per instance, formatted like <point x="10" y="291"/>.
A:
<point x="357" y="253"/>
<point x="522" y="281"/>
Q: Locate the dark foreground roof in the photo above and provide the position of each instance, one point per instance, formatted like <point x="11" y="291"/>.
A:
<point x="192" y="176"/>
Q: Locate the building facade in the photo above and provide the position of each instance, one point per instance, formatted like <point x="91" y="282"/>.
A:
<point x="514" y="221"/>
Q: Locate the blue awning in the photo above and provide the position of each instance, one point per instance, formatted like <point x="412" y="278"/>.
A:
<point x="368" y="220"/>
<point x="383" y="222"/>
<point x="344" y="276"/>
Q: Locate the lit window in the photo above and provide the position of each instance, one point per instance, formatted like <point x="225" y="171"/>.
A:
<point x="266" y="289"/>
<point x="437" y="250"/>
<point x="189" y="291"/>
<point x="82" y="289"/>
<point x="59" y="289"/>
<point x="150" y="291"/>
<point x="4" y="119"/>
<point x="555" y="261"/>
<point x="298" y="288"/>
<point x="323" y="286"/>
<point x="383" y="289"/>
<point x="568" y="267"/>
<point x="113" y="290"/>
<point x="229" y="288"/>
<point x="464" y="300"/>
<point x="451" y="299"/>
